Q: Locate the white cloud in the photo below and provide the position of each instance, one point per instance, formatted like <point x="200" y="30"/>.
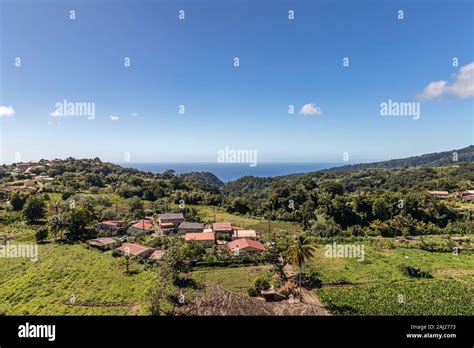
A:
<point x="134" y="114"/>
<point x="55" y="114"/>
<point x="310" y="110"/>
<point x="463" y="85"/>
<point x="6" y="111"/>
<point x="114" y="118"/>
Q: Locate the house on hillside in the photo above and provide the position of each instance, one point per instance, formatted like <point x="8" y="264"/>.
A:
<point x="439" y="194"/>
<point x="203" y="237"/>
<point x="245" y="245"/>
<point x="250" y="234"/>
<point x="136" y="250"/>
<point x="191" y="227"/>
<point x="468" y="198"/>
<point x="156" y="255"/>
<point x="222" y="227"/>
<point x="168" y="222"/>
<point x="109" y="227"/>
<point x="465" y="193"/>
<point x="103" y="243"/>
<point x="143" y="226"/>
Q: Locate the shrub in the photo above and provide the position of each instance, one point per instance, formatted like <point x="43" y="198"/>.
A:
<point x="41" y="235"/>
<point x="17" y="201"/>
<point x="310" y="279"/>
<point x="66" y="195"/>
<point x="260" y="283"/>
<point x="34" y="208"/>
<point x="415" y="272"/>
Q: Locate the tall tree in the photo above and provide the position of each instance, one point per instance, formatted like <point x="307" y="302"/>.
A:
<point x="300" y="252"/>
<point x="58" y="224"/>
<point x="34" y="208"/>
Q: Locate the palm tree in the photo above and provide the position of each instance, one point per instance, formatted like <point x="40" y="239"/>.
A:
<point x="300" y="252"/>
<point x="57" y="224"/>
<point x="54" y="206"/>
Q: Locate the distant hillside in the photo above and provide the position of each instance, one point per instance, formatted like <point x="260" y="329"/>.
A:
<point x="364" y="174"/>
<point x="436" y="159"/>
<point x="203" y="180"/>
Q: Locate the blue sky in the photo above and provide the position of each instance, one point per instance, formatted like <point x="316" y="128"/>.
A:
<point x="282" y="62"/>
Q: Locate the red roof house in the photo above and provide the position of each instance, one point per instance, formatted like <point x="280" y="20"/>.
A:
<point x="141" y="226"/>
<point x="136" y="250"/>
<point x="222" y="227"/>
<point x="206" y="237"/>
<point x="245" y="245"/>
<point x="103" y="243"/>
<point x="157" y="254"/>
<point x="111" y="227"/>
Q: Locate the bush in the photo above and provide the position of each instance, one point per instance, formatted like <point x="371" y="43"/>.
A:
<point x="34" y="208"/>
<point x="310" y="279"/>
<point x="260" y="283"/>
<point x="17" y="201"/>
<point x="66" y="195"/>
<point x="415" y="272"/>
<point x="41" y="235"/>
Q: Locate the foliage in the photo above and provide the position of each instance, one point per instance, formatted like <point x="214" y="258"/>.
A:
<point x="260" y="283"/>
<point x="415" y="272"/>
<point x="41" y="234"/>
<point x="34" y="208"/>
<point x="17" y="201"/>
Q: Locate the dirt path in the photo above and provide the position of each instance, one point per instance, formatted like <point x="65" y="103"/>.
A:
<point x="307" y="296"/>
<point x="310" y="298"/>
<point x="134" y="309"/>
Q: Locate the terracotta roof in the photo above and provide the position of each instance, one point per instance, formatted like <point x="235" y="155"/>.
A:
<point x="111" y="223"/>
<point x="222" y="226"/>
<point x="134" y="249"/>
<point x="157" y="254"/>
<point x="200" y="236"/>
<point x="105" y="240"/>
<point x="245" y="243"/>
<point x="143" y="225"/>
<point x="439" y="192"/>
<point x="468" y="198"/>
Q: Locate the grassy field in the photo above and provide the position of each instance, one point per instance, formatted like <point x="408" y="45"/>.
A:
<point x="237" y="279"/>
<point x="421" y="297"/>
<point x="96" y="280"/>
<point x="377" y="286"/>
<point x="382" y="264"/>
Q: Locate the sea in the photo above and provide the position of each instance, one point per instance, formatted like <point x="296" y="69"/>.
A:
<point x="229" y="172"/>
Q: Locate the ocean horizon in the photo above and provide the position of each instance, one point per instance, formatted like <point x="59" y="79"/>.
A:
<point x="227" y="172"/>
